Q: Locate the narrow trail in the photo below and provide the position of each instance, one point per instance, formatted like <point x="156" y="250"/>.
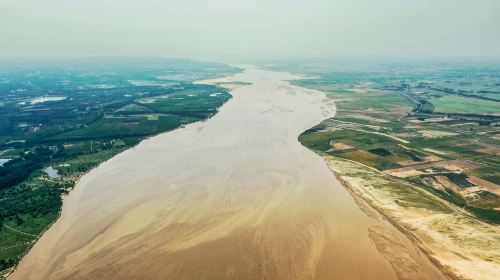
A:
<point x="18" y="231"/>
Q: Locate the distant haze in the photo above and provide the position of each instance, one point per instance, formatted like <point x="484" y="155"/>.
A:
<point x="251" y="29"/>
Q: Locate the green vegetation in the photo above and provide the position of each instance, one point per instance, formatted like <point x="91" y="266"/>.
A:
<point x="395" y="123"/>
<point x="427" y="107"/>
<point x="127" y="126"/>
<point x="72" y="117"/>
<point x="464" y="105"/>
<point x="365" y="99"/>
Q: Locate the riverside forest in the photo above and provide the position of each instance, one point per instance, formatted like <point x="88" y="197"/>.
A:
<point x="59" y="119"/>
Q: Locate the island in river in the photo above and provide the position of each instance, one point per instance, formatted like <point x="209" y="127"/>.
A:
<point x="233" y="197"/>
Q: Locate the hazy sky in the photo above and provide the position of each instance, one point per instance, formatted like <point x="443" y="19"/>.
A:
<point x="233" y="29"/>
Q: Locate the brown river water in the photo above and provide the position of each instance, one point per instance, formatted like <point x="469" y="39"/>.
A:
<point x="234" y="197"/>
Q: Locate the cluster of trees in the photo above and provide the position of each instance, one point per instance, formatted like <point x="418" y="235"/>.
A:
<point x="23" y="199"/>
<point x="4" y="264"/>
<point x="40" y="130"/>
<point x="17" y="170"/>
<point x="21" y="203"/>
<point x="423" y="106"/>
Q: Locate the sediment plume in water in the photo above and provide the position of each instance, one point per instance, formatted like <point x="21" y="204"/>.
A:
<point x="235" y="197"/>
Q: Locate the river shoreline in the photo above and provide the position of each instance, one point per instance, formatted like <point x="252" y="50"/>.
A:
<point x="239" y="188"/>
<point x="439" y="235"/>
<point x="5" y="274"/>
<point x="414" y="239"/>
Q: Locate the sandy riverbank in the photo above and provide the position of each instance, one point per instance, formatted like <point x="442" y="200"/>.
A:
<point x="460" y="245"/>
<point x="235" y="197"/>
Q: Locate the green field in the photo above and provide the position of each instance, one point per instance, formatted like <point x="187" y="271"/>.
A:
<point x="367" y="99"/>
<point x="397" y="122"/>
<point x="464" y="105"/>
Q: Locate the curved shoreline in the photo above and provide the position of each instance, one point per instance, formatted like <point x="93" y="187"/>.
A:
<point x="439" y="233"/>
<point x="414" y="239"/>
<point x="236" y="190"/>
<point x="11" y="270"/>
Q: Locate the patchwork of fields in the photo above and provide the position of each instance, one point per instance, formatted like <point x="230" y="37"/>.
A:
<point x="380" y="123"/>
<point x="422" y="147"/>
<point x="454" y="162"/>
